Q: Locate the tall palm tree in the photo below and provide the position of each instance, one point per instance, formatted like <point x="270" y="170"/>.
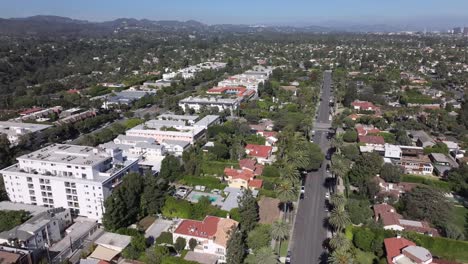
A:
<point x="340" y="166"/>
<point x="340" y="257"/>
<point x="337" y="142"/>
<point x="288" y="171"/>
<point x="279" y="231"/>
<point x="339" y="241"/>
<point x="286" y="192"/>
<point x="339" y="219"/>
<point x="338" y="201"/>
<point x="265" y="255"/>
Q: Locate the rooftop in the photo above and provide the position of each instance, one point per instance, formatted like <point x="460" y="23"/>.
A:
<point x="13" y="128"/>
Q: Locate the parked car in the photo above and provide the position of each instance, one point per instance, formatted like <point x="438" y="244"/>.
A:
<point x="328" y="168"/>
<point x="288" y="258"/>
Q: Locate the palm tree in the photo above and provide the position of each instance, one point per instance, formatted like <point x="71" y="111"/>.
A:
<point x="265" y="255"/>
<point x="339" y="219"/>
<point x="338" y="201"/>
<point x="286" y="192"/>
<point x="288" y="171"/>
<point x="279" y="231"/>
<point x="339" y="241"/>
<point x="337" y="143"/>
<point x="340" y="257"/>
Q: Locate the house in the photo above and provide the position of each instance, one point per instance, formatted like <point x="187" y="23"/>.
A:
<point x="271" y="137"/>
<point x="365" y="106"/>
<point x="392" y="220"/>
<point x="363" y="130"/>
<point x="420" y="165"/>
<point x="13" y="255"/>
<point x="372" y="140"/>
<point x="212" y="234"/>
<point x="263" y="125"/>
<point x="442" y="163"/>
<point x="401" y="251"/>
<point x="421" y="138"/>
<point x="242" y="178"/>
<point x="393" y="151"/>
<point x="245" y="176"/>
<point x="109" y="246"/>
<point x="395" y="190"/>
<point x="263" y="154"/>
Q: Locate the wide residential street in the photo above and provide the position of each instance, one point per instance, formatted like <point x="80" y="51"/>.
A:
<point x="309" y="228"/>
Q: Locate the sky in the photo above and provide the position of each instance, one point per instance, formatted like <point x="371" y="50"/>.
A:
<point x="277" y="12"/>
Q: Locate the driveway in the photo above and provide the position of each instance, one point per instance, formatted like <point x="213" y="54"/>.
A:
<point x="159" y="226"/>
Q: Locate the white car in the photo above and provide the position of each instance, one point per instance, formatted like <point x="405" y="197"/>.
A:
<point x="327" y="195"/>
<point x="302" y="189"/>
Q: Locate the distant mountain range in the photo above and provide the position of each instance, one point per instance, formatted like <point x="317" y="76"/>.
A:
<point x="56" y="25"/>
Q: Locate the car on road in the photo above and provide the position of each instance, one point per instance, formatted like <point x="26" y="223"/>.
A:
<point x="328" y="168"/>
<point x="302" y="189"/>
<point x="288" y="258"/>
<point x="327" y="195"/>
<point x="301" y="196"/>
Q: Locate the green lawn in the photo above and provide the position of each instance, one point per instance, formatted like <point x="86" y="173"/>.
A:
<point x="427" y="180"/>
<point x="216" y="167"/>
<point x="283" y="249"/>
<point x="364" y="257"/>
<point x="459" y="217"/>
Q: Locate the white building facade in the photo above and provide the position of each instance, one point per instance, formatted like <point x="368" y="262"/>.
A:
<point x="76" y="177"/>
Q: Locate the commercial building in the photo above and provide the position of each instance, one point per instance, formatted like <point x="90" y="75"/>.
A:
<point x="197" y="103"/>
<point x="212" y="235"/>
<point x="76" y="177"/>
<point x="125" y="97"/>
<point x="170" y="128"/>
<point x="14" y="130"/>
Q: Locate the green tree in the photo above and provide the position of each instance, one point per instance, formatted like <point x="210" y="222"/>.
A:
<point x="259" y="237"/>
<point x="235" y="247"/>
<point x="286" y="192"/>
<point x="340" y="257"/>
<point x="436" y="210"/>
<point x="177" y="208"/>
<point x="366" y="167"/>
<point x="280" y="231"/>
<point x="351" y="152"/>
<point x="363" y="239"/>
<point x="339" y="219"/>
<point x="264" y="255"/>
<point x="338" y="201"/>
<point x="171" y="169"/>
<point x="359" y="211"/>
<point x="391" y="173"/>
<point x="180" y="244"/>
<point x="339" y="241"/>
<point x="248" y="211"/>
<point x="193" y="243"/>
<point x="153" y="196"/>
<point x="350" y="136"/>
<point x="439" y="147"/>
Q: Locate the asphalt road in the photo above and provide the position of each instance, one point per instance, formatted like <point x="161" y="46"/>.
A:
<point x="309" y="228"/>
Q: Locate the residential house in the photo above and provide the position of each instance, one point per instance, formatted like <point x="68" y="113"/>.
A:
<point x="271" y="137"/>
<point x="420" y="165"/>
<point x="245" y="176"/>
<point x="363" y="130"/>
<point x="365" y="106"/>
<point x="377" y="141"/>
<point x="442" y="163"/>
<point x="421" y="138"/>
<point x="263" y="154"/>
<point x="212" y="234"/>
<point x="393" y="190"/>
<point x="402" y="251"/>
<point x="391" y="220"/>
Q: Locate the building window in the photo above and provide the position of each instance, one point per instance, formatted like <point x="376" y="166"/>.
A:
<point x="29" y="179"/>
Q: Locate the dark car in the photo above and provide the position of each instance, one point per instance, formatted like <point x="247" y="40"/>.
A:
<point x="301" y="196"/>
<point x="288" y="258"/>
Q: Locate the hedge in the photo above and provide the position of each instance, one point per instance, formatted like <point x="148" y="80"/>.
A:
<point x="164" y="238"/>
<point x="442" y="247"/>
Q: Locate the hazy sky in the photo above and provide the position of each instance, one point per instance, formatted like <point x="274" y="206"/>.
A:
<point x="243" y="11"/>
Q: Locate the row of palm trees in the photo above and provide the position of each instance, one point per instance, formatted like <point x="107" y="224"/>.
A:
<point x="338" y="220"/>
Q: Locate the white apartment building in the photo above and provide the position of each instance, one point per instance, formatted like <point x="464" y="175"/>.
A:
<point x="76" y="177"/>
<point x="178" y="128"/>
<point x="197" y="103"/>
<point x="14" y="130"/>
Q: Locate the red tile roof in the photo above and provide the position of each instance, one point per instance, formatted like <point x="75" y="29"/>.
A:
<point x="258" y="150"/>
<point x="239" y="174"/>
<point x="203" y="229"/>
<point x="376" y="140"/>
<point x="364" y="105"/>
<point x="364" y="130"/>
<point x="251" y="165"/>
<point x="256" y="183"/>
<point x="239" y="91"/>
<point x="30" y="111"/>
<point x="394" y="245"/>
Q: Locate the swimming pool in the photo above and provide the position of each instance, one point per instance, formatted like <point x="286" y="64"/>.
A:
<point x="198" y="196"/>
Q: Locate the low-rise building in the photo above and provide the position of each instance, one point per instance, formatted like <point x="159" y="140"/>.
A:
<point x="263" y="154"/>
<point x="420" y="165"/>
<point x="421" y="138"/>
<point x="175" y="129"/>
<point x="372" y="140"/>
<point x="13" y="255"/>
<point x="76" y="177"/>
<point x="392" y="220"/>
<point x="245" y="176"/>
<point x="126" y="97"/>
<point x="198" y="102"/>
<point x="212" y="235"/>
<point x="403" y="251"/>
<point x="365" y="106"/>
<point x="15" y="130"/>
<point x="40" y="231"/>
